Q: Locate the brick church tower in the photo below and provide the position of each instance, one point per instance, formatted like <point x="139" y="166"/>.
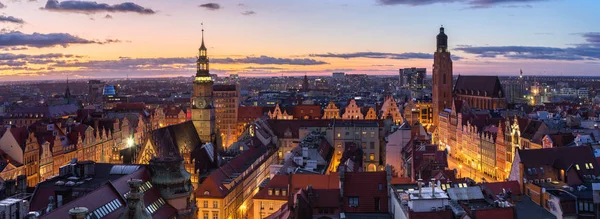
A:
<point x="442" y="77"/>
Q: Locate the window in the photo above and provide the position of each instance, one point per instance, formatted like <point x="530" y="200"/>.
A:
<point x="353" y="201"/>
<point x="364" y="134"/>
<point x="577" y="166"/>
<point x="377" y="203"/>
<point x="591" y="166"/>
<point x="444" y="78"/>
<point x="215" y="204"/>
<point x="271" y="206"/>
<point x="380" y="187"/>
<point x="372" y="146"/>
<point x="542" y="170"/>
<point x="364" y="145"/>
<point x="339" y="135"/>
<point x="205" y="215"/>
<point x="270" y="191"/>
<point x="276" y="191"/>
<point x="283" y="192"/>
<point x="347" y="133"/>
<point x="205" y="204"/>
<point x="372" y="156"/>
<point x="215" y="215"/>
<point x="262" y="205"/>
<point x="372" y="134"/>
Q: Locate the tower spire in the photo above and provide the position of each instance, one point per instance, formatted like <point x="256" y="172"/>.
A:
<point x="67" y="91"/>
<point x="202" y="47"/>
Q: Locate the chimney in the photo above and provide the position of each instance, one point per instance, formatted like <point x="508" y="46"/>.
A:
<point x="432" y="184"/>
<point x="419" y="181"/>
<point x="21" y="184"/>
<point x="78" y="212"/>
<point x="342" y="178"/>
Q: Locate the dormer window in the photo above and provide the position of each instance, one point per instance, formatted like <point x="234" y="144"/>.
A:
<point x="206" y="192"/>
<point x="270" y="191"/>
<point x="577" y="166"/>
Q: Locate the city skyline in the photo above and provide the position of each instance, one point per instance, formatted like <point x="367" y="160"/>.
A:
<point x="111" y="39"/>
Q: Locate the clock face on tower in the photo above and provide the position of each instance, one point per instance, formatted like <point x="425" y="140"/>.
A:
<point x="200" y="103"/>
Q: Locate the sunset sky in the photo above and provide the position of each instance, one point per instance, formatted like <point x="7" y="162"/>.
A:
<point x="49" y="39"/>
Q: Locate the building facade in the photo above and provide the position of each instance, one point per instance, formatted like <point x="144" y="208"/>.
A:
<point x="442" y="77"/>
<point x="227" y="102"/>
<point x="331" y="111"/>
<point x="352" y="111"/>
<point x="413" y="78"/>
<point x="481" y="92"/>
<point x="203" y="112"/>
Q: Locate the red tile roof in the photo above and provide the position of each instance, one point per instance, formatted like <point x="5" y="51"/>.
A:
<point x="91" y="201"/>
<point x="20" y="134"/>
<point x="213" y="185"/>
<point x="563" y="158"/>
<point x="130" y="106"/>
<point x="365" y="186"/>
<point x="401" y="180"/>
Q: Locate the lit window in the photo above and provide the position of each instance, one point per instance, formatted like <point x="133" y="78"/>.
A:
<point x="591" y="166"/>
<point x="372" y="157"/>
<point x="215" y="204"/>
<point x="205" y="204"/>
<point x="577" y="166"/>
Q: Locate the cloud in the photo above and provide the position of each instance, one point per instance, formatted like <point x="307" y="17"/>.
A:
<point x="590" y="50"/>
<point x="22" y="60"/>
<point x="108" y="16"/>
<point x="248" y="13"/>
<point x="264" y="68"/>
<point x="127" y="63"/>
<point x="2" y="5"/>
<point x="267" y="60"/>
<point x="211" y="6"/>
<point x="491" y="3"/>
<point x="471" y="3"/>
<point x="379" y="55"/>
<point x="593" y="38"/>
<point x="534" y="52"/>
<point x="39" y="40"/>
<point x="11" y="19"/>
<point x="89" y="7"/>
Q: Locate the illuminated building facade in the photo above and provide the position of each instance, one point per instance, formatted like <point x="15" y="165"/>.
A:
<point x="442" y="77"/>
<point x="203" y="112"/>
<point x="352" y="111"/>
<point x="331" y="111"/>
<point x="227" y="98"/>
<point x="390" y="108"/>
<point x="421" y="112"/>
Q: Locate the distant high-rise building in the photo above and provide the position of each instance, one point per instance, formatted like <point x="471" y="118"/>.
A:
<point x="338" y="75"/>
<point x="227" y="101"/>
<point x="442" y="77"/>
<point x="94" y="89"/>
<point x="203" y="112"/>
<point x="515" y="90"/>
<point x="305" y="84"/>
<point x="413" y="78"/>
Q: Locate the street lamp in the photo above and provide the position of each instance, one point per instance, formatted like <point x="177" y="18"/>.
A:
<point x="130" y="142"/>
<point x="460" y="170"/>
